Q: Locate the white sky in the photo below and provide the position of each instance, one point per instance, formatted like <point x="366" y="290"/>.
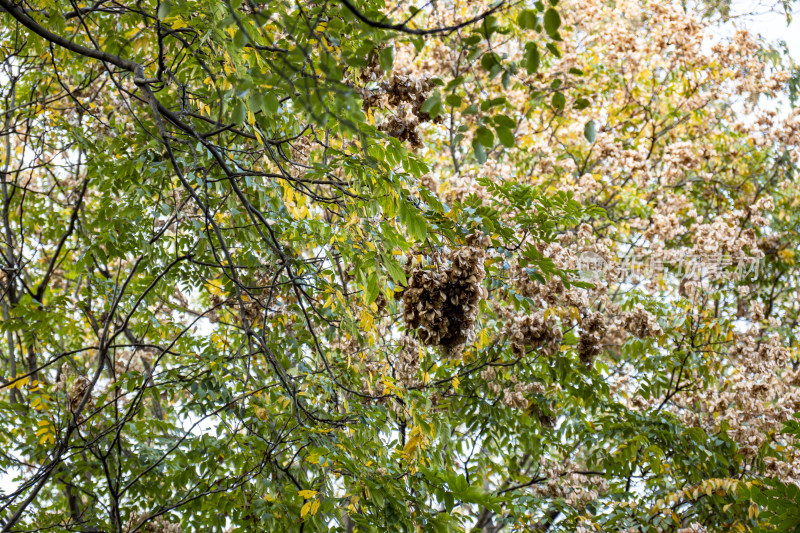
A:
<point x="770" y="23"/>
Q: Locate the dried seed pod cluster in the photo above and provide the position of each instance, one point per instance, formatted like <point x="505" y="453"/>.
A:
<point x="593" y="329"/>
<point x="373" y="70"/>
<point x="407" y="364"/>
<point x="254" y="297"/>
<point x="155" y="525"/>
<point x="641" y="323"/>
<point x="402" y="128"/>
<point x="544" y="416"/>
<point x="516" y="397"/>
<point x="403" y="96"/>
<point x="549" y="292"/>
<point x="76" y="393"/>
<point x="533" y="331"/>
<point x="441" y="301"/>
<point x="404" y="89"/>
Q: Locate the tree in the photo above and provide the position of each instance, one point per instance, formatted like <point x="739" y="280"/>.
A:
<point x="339" y="265"/>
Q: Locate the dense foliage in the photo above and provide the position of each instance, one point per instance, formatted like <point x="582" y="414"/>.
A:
<point x="358" y="265"/>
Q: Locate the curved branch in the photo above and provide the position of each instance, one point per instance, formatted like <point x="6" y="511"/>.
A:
<point x="403" y="28"/>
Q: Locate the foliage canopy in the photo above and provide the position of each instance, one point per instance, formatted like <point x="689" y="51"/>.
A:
<point x="358" y="265"/>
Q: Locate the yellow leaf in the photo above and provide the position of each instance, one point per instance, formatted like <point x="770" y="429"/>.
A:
<point x="261" y="413"/>
<point x="412" y="444"/>
<point x="214" y="289"/>
<point x="304" y="509"/>
<point x="315" y="507"/>
<point x="19" y="383"/>
<point x="483" y="339"/>
<point x="366" y="320"/>
<point x="306" y="494"/>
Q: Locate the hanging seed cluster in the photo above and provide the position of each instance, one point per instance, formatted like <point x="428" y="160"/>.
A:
<point x="441" y="301"/>
<point x="254" y="297"/>
<point x="76" y="394"/>
<point x="516" y="397"/>
<point x="641" y="323"/>
<point x="156" y="525"/>
<point x="533" y="331"/>
<point x="373" y="70"/>
<point x="407" y="364"/>
<point x="593" y="330"/>
<point x="546" y="418"/>
<point x="403" y="97"/>
<point x="414" y="91"/>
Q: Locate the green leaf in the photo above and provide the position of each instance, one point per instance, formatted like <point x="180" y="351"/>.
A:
<point x="531" y="57"/>
<point x="589" y="131"/>
<point x="163" y="10"/>
<point x="485" y="136"/>
<point x="480" y="152"/>
<point x="455" y="82"/>
<point x="239" y="39"/>
<point x="417" y="226"/>
<point x="270" y="102"/>
<point x="506" y="136"/>
<point x="433" y="105"/>
<point x="490" y="61"/>
<point x="239" y="112"/>
<point x="581" y="103"/>
<point x="504" y="121"/>
<point x="559" y="100"/>
<point x="372" y="287"/>
<point x="552" y="21"/>
<point x="449" y="501"/>
<point x="387" y="58"/>
<point x="553" y="49"/>
<point x="453" y="100"/>
<point x="527" y="19"/>
<point x="394" y="269"/>
<point x="488" y="104"/>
